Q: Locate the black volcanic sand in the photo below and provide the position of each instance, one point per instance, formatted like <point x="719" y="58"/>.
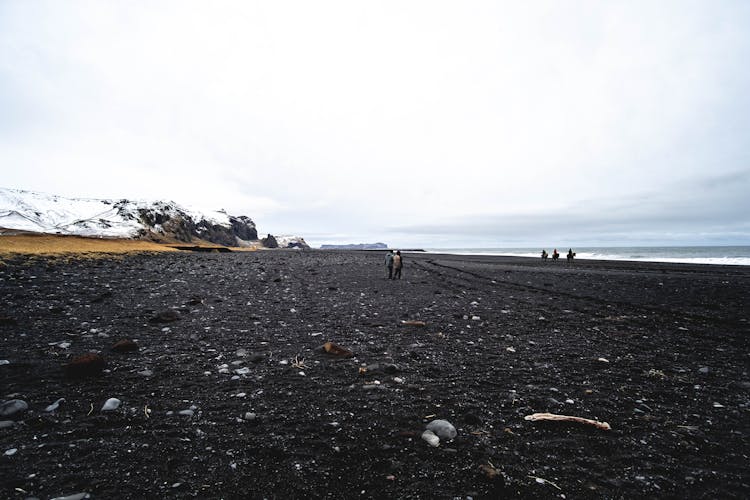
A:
<point x="504" y="338"/>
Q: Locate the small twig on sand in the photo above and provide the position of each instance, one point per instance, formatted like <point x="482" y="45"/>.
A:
<point x="299" y="363"/>
<point x="91" y="410"/>
<point x="146" y="411"/>
<point x="541" y="480"/>
<point x="567" y="418"/>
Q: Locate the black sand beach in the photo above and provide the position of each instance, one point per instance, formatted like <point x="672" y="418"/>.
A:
<point x="658" y="351"/>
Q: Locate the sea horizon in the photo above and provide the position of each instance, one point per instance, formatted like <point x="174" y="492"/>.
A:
<point x="688" y="254"/>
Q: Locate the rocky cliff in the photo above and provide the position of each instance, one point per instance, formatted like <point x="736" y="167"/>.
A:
<point x="157" y="221"/>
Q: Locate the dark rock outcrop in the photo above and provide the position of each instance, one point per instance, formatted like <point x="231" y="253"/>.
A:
<point x="270" y="242"/>
<point x="243" y="227"/>
<point x="169" y="221"/>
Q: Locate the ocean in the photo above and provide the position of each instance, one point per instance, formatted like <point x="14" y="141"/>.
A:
<point x="725" y="255"/>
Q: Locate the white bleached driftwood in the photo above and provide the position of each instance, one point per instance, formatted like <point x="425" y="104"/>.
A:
<point x="567" y="418"/>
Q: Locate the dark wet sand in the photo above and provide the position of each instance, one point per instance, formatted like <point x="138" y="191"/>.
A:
<point x="504" y="337"/>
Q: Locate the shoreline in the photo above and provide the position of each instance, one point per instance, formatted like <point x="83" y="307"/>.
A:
<point x="25" y="243"/>
<point x="610" y="254"/>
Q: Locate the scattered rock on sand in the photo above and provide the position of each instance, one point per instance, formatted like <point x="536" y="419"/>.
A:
<point x="6" y="424"/>
<point x="86" y="365"/>
<point x="54" y="406"/>
<point x="442" y="428"/>
<point x="256" y="357"/>
<point x="76" y="496"/>
<point x="337" y="350"/>
<point x="490" y="472"/>
<point x="111" y="404"/>
<point x="125" y="345"/>
<point x="165" y="316"/>
<point x="13" y="407"/>
<point x="431" y="438"/>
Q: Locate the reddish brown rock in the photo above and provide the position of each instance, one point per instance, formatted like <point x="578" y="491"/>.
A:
<point x="125" y="345"/>
<point x="337" y="350"/>
<point x="85" y="365"/>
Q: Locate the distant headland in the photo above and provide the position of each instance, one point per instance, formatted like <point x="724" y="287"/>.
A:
<point x="356" y="246"/>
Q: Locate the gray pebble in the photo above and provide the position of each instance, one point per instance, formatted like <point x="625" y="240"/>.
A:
<point x="442" y="428"/>
<point x="431" y="438"/>
<point x="54" y="406"/>
<point x="186" y="413"/>
<point x="6" y="424"/>
<point x="77" y="496"/>
<point x="111" y="404"/>
<point x="704" y="370"/>
<point x="10" y="408"/>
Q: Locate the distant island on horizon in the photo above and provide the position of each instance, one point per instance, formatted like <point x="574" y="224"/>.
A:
<point x="356" y="246"/>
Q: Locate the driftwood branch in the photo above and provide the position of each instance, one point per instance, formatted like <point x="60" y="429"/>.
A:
<point x="567" y="418"/>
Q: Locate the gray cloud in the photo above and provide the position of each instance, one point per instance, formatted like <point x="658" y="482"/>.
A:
<point x="713" y="207"/>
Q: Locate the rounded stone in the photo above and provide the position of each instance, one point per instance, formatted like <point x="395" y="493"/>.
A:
<point x="442" y="428"/>
<point x="12" y="407"/>
<point x="431" y="438"/>
<point x="111" y="404"/>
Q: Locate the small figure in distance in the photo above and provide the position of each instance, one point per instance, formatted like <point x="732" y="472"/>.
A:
<point x="544" y="254"/>
<point x="398" y="263"/>
<point x="389" y="263"/>
<point x="555" y="255"/>
<point x="571" y="254"/>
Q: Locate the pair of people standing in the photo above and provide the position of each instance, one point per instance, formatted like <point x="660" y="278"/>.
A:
<point x="394" y="263"/>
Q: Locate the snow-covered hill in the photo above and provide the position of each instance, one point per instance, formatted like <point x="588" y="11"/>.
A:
<point x="288" y="241"/>
<point x="45" y="213"/>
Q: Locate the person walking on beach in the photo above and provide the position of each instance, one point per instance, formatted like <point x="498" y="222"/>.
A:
<point x="398" y="263"/>
<point x="389" y="263"/>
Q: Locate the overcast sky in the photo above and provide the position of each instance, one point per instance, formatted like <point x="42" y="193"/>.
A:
<point x="453" y="124"/>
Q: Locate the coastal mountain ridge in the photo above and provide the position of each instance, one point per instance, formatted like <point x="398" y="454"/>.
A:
<point x="158" y="221"/>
